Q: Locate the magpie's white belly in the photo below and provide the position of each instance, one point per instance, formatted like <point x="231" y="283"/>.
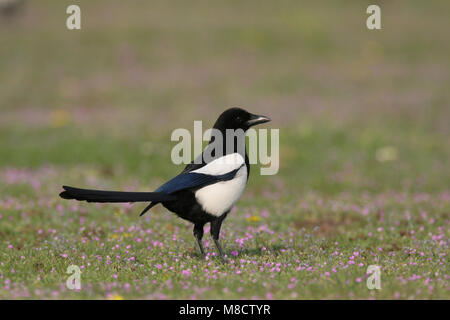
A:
<point x="218" y="198"/>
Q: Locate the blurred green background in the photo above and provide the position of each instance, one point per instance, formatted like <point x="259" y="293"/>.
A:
<point x="110" y="94"/>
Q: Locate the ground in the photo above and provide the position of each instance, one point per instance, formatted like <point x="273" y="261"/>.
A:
<point x="364" y="149"/>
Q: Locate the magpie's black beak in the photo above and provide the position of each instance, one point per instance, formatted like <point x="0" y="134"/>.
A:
<point x="256" y="119"/>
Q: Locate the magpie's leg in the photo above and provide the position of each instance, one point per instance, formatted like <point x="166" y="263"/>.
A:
<point x="215" y="231"/>
<point x="198" y="234"/>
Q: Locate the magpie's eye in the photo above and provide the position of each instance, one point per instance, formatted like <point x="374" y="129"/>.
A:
<point x="238" y="119"/>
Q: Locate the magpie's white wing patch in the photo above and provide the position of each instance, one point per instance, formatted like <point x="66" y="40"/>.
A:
<point x="220" y="197"/>
<point x="222" y="165"/>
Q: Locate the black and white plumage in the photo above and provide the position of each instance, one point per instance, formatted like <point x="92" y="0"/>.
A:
<point x="205" y="191"/>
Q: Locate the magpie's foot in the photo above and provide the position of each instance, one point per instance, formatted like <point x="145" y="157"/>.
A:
<point x="201" y="249"/>
<point x="202" y="255"/>
<point x="219" y="248"/>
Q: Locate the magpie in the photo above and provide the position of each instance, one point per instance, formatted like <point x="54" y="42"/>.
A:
<point x="206" y="190"/>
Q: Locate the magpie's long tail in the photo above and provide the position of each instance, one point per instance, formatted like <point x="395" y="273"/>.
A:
<point x="113" y="196"/>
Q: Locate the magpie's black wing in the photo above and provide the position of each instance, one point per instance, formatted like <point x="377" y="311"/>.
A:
<point x="200" y="162"/>
<point x="197" y="175"/>
<point x="190" y="180"/>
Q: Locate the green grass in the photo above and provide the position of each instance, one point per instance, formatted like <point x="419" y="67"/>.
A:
<point x="364" y="149"/>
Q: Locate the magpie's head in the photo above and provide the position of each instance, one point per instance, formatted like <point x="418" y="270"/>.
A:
<point x="237" y="118"/>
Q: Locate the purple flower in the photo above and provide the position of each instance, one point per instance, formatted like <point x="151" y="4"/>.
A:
<point x="186" y="273"/>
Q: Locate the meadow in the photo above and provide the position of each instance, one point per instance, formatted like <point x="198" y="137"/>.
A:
<point x="364" y="148"/>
